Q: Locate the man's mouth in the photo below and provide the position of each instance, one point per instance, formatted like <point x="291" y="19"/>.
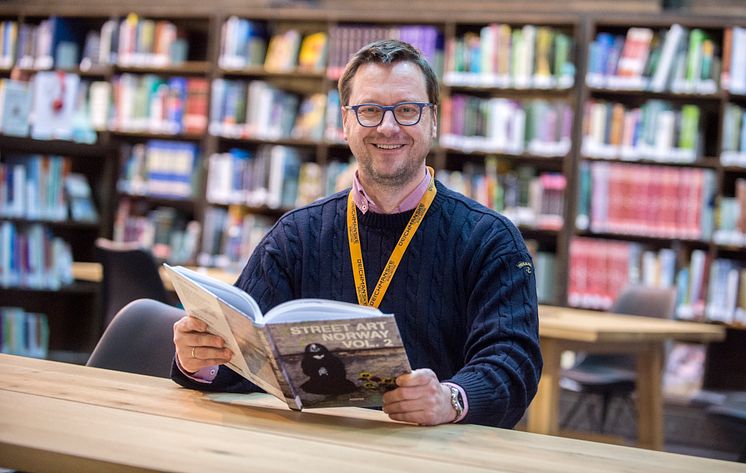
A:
<point x="382" y="146"/>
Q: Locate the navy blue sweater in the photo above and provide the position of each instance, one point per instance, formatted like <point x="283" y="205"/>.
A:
<point x="464" y="295"/>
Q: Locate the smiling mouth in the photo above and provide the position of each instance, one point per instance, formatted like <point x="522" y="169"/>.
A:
<point x="380" y="146"/>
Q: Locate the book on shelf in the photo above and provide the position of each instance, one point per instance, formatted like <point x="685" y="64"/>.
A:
<point x="54" y="97"/>
<point x="23" y="333"/>
<point x="312" y="55"/>
<point x="15" y="107"/>
<point x="80" y="198"/>
<point x="308" y="352"/>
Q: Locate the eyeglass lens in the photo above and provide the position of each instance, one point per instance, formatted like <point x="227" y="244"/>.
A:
<point x="405" y="114"/>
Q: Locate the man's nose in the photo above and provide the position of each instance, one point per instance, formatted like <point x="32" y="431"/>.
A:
<point x="389" y="123"/>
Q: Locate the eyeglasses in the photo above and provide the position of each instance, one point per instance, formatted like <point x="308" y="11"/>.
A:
<point x="405" y="113"/>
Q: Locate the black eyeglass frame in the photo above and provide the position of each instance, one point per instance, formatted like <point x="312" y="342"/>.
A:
<point x="387" y="108"/>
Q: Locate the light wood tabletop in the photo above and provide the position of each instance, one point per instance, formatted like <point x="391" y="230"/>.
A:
<point x="62" y="417"/>
<point x="562" y="328"/>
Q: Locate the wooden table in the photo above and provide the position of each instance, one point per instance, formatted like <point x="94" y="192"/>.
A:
<point x="91" y="271"/>
<point x="61" y="417"/>
<point x="563" y="329"/>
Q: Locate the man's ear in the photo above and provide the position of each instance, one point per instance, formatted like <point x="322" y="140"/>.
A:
<point x="435" y="121"/>
<point x="345" y="112"/>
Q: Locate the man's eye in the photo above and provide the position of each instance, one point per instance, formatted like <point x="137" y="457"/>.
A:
<point x="406" y="109"/>
<point x="369" y="110"/>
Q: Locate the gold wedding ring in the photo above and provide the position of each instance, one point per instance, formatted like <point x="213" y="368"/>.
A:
<point x="193" y="352"/>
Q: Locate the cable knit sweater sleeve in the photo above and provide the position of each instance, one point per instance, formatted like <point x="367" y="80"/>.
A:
<point x="502" y="356"/>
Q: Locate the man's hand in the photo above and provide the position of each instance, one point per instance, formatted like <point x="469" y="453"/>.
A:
<point x="420" y="399"/>
<point x="196" y="348"/>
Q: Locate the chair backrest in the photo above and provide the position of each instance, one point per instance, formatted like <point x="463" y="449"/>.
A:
<point x="646" y="301"/>
<point x="129" y="273"/>
<point x="139" y="339"/>
<point x="635" y="299"/>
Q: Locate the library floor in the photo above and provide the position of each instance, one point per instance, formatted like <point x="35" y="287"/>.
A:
<point x="688" y="429"/>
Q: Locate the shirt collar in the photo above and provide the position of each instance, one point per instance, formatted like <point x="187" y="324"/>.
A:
<point x="364" y="203"/>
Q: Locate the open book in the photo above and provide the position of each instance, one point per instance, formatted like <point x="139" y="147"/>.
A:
<point x="309" y="352"/>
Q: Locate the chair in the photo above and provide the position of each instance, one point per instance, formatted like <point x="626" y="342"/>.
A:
<point x="732" y="415"/>
<point x="139" y="339"/>
<point x="129" y="273"/>
<point x="613" y="376"/>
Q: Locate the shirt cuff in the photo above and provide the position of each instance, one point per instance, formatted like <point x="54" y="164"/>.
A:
<point x="205" y="375"/>
<point x="463" y="396"/>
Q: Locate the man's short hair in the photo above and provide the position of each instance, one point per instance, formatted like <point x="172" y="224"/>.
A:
<point x="388" y="51"/>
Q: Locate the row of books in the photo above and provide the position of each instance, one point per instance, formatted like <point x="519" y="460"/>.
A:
<point x="246" y="43"/>
<point x="503" y="56"/>
<point x="731" y="217"/>
<point x="712" y="289"/>
<point x="677" y="59"/>
<point x="54" y="105"/>
<point x="657" y="130"/>
<point x="33" y="187"/>
<point x="536" y="126"/>
<point x="160" y="168"/>
<point x="733" y="149"/>
<point x="258" y="109"/>
<point x="346" y="40"/>
<point x="23" y="333"/>
<point x="230" y="236"/>
<point x="150" y="103"/>
<point x="269" y="177"/>
<point x="651" y="201"/>
<point x="528" y="199"/>
<point x="31" y="257"/>
<point x="274" y="176"/>
<point x="169" y="233"/>
<point x="66" y="43"/>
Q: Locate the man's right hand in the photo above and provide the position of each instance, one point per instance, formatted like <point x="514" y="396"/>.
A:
<point x="196" y="348"/>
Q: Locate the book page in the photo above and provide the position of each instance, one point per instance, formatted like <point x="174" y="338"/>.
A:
<point x="318" y="309"/>
<point x="230" y="294"/>
<point x="343" y="362"/>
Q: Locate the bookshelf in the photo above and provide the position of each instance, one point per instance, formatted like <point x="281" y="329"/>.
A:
<point x="538" y="137"/>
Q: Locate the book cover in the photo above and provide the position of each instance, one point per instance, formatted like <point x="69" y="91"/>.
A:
<point x="309" y="352"/>
<point x="16" y="107"/>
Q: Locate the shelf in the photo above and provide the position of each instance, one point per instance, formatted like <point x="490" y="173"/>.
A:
<point x="186" y="204"/>
<point x="76" y="288"/>
<point x="26" y="144"/>
<point x="279" y="141"/>
<point x="146" y="135"/>
<point x="708" y="162"/>
<point x="656" y="240"/>
<point x="67" y="224"/>
<point x="667" y="95"/>
<point x="187" y="68"/>
<point x="259" y="71"/>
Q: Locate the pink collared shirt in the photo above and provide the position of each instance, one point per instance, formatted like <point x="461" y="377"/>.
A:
<point x="364" y="204"/>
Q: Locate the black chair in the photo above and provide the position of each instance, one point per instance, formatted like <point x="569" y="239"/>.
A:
<point x="731" y="414"/>
<point x="139" y="339"/>
<point x="613" y="376"/>
<point x="129" y="272"/>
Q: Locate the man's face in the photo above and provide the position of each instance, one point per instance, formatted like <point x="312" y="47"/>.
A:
<point x="390" y="155"/>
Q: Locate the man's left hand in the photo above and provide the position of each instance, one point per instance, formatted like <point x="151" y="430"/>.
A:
<point x="420" y="399"/>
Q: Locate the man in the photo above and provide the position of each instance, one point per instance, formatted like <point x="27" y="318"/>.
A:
<point x="463" y="292"/>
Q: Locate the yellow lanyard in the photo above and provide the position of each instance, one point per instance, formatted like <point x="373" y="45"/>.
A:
<point x="356" y="254"/>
